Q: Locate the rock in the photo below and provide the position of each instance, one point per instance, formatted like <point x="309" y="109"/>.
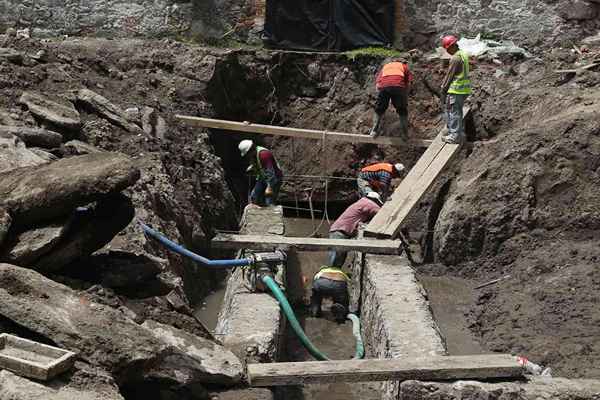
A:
<point x="30" y="245"/>
<point x="129" y="274"/>
<point x="14" y="387"/>
<point x="537" y="388"/>
<point x="63" y="115"/>
<point x="88" y="231"/>
<point x="106" y="109"/>
<point x="78" y="148"/>
<point x="101" y="335"/>
<point x="245" y="394"/>
<point x="34" y="136"/>
<point x="11" y="55"/>
<point x="14" y="154"/>
<point x="204" y="361"/>
<point x="577" y="10"/>
<point x="38" y="193"/>
<point x="106" y="338"/>
<point x="153" y="124"/>
<point x="5" y="221"/>
<point x="43" y="154"/>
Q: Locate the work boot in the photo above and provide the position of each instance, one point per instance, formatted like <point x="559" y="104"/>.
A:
<point x="404" y="126"/>
<point x="375" y="130"/>
<point x="450" y="139"/>
<point x="339" y="313"/>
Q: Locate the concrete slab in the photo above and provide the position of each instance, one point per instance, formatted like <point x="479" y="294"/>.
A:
<point x="396" y="319"/>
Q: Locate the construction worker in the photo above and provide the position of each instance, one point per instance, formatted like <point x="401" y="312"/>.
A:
<point x="378" y="178"/>
<point x="268" y="174"/>
<point x="330" y="282"/>
<point x="392" y="83"/>
<point x="456" y="87"/>
<point x="346" y="226"/>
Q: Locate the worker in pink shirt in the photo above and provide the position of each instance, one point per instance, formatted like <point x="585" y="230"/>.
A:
<point x="346" y="226"/>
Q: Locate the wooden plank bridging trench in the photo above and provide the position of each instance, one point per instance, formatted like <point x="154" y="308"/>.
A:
<point x="388" y="221"/>
<point x="484" y="366"/>
<point x="269" y="242"/>
<point x="297" y="132"/>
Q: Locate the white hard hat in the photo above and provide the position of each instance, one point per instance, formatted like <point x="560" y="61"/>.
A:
<point x="399" y="167"/>
<point x="375" y="196"/>
<point x="245" y="146"/>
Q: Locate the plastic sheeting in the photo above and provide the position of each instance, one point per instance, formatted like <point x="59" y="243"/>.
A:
<point x="329" y="25"/>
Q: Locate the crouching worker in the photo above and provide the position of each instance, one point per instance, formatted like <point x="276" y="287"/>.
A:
<point x="331" y="282"/>
<point x="269" y="177"/>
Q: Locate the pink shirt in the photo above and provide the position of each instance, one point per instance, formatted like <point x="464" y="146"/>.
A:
<point x="361" y="211"/>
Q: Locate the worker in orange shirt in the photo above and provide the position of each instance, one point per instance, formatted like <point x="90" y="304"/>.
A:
<point x="392" y="83"/>
<point x="378" y="178"/>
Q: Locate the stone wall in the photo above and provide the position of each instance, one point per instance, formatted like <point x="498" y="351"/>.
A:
<point x="529" y="22"/>
<point x="119" y="18"/>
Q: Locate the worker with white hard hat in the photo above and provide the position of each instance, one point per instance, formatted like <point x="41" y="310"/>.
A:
<point x="378" y="178"/>
<point x="263" y="165"/>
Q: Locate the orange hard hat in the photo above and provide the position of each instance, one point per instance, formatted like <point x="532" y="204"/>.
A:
<point x="448" y="41"/>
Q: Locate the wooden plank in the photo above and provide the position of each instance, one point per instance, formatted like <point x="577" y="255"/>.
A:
<point x="261" y="242"/>
<point x="387" y="222"/>
<point x="296" y="132"/>
<point x="485" y="366"/>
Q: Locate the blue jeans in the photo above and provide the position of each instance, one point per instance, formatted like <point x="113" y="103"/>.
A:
<point x="454" y="115"/>
<point x="257" y="196"/>
<point x="337" y="258"/>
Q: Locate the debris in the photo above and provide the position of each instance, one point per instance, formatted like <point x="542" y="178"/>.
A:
<point x="33" y="360"/>
<point x="492" y="282"/>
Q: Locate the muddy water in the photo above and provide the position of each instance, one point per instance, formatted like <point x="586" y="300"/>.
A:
<point x="208" y="310"/>
<point x="333" y="339"/>
<point x="450" y="299"/>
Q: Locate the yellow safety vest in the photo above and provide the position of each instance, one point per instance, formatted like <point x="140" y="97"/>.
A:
<point x="461" y="83"/>
<point x="331" y="270"/>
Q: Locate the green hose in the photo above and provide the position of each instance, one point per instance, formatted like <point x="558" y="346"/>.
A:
<point x="289" y="313"/>
<point x="360" y="347"/>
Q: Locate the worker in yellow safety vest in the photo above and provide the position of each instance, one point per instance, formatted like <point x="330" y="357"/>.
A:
<point x="331" y="282"/>
<point x="263" y="165"/>
<point x="456" y="87"/>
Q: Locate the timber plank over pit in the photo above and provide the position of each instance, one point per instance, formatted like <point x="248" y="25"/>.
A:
<point x="248" y="127"/>
<point x="484" y="366"/>
<point x="270" y="242"/>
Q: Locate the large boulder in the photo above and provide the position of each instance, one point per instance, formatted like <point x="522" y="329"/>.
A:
<point x="13" y="387"/>
<point x="34" y="137"/>
<point x="14" y="154"/>
<point x="28" y="246"/>
<point x="39" y="193"/>
<point x="201" y="360"/>
<point x="89" y="230"/>
<point x="62" y="115"/>
<point x="106" y="337"/>
<point x="103" y="107"/>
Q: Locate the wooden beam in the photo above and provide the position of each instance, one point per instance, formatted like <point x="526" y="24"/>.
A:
<point x="425" y="369"/>
<point x="260" y="242"/>
<point x="296" y="132"/>
<point x="388" y="221"/>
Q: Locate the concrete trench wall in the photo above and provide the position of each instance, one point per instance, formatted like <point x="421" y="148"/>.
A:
<point x="251" y="324"/>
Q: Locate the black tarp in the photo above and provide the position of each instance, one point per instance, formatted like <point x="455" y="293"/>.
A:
<point x="334" y="25"/>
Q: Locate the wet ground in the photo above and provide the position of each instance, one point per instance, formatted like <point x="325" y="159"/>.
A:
<point x="450" y="299"/>
<point x="333" y="339"/>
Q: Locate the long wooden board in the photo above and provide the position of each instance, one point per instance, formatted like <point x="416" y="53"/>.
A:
<point x="260" y="242"/>
<point x="296" y="132"/>
<point x="426" y="369"/>
<point x="388" y="221"/>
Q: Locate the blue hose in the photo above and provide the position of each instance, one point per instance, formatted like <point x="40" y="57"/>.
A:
<point x="238" y="262"/>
